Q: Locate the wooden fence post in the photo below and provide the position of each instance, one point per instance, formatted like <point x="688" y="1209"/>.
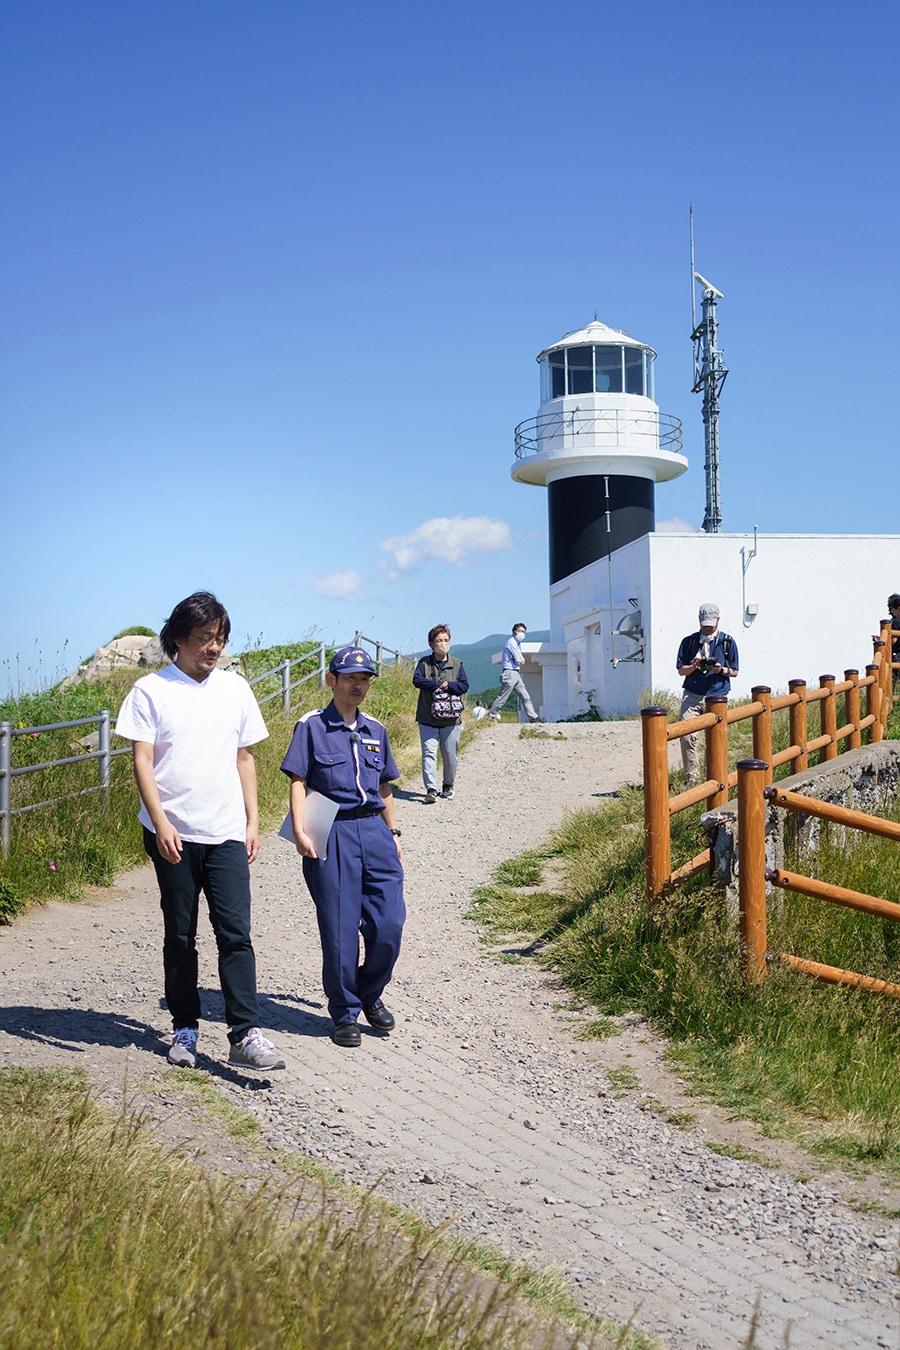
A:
<point x="829" y="717"/>
<point x="851" y="709"/>
<point x="762" y="728"/>
<point x="717" y="750"/>
<point x="873" y="706"/>
<point x="882" y="657"/>
<point x="797" y="723"/>
<point x="657" y="829"/>
<point x="752" y="866"/>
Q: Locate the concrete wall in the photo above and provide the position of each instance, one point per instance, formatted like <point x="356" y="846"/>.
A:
<point x="819" y="600"/>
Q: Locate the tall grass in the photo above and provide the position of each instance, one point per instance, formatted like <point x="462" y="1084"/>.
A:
<point x="801" y="1058"/>
<point x="105" y="1243"/>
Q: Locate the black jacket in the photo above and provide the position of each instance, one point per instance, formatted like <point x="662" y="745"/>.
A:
<point x="428" y="675"/>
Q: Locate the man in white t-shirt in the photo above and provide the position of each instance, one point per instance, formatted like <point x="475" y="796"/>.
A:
<point x="191" y="726"/>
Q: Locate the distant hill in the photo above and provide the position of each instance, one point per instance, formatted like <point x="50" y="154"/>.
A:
<point x="476" y="657"/>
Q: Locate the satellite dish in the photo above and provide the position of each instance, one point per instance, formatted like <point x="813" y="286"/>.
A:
<point x="630" y="627"/>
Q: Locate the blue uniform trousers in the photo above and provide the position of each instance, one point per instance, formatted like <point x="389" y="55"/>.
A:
<point x="357" y="889"/>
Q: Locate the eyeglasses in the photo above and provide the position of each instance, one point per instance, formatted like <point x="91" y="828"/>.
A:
<point x="206" y="640"/>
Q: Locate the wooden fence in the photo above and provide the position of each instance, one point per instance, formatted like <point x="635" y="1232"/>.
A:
<point x="657" y="734"/>
<point x="753" y="793"/>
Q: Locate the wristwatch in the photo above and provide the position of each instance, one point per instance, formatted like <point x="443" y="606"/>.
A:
<point x="397" y="833"/>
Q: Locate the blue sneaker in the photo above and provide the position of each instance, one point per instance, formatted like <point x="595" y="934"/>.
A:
<point x="183" y="1050"/>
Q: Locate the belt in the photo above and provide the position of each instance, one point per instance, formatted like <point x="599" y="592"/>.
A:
<point x="359" y="812"/>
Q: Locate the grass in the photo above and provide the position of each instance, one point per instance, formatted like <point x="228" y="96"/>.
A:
<point x="105" y="1242"/>
<point x="801" y="1059"/>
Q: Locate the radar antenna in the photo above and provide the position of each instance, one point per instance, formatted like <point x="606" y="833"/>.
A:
<point x="709" y="376"/>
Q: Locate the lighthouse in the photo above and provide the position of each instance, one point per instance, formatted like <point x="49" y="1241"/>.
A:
<point x="599" y="444"/>
<point x="622" y="593"/>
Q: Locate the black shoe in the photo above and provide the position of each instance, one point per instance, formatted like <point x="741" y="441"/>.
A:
<point x="346" y="1034"/>
<point x="378" y="1017"/>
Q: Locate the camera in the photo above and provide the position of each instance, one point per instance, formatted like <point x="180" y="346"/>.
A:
<point x="706" y="664"/>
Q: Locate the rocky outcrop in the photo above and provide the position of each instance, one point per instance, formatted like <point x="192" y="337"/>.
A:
<point x="133" y="651"/>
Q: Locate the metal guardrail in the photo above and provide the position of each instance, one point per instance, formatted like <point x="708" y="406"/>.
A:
<point x="104" y="754"/>
<point x="621" y="426"/>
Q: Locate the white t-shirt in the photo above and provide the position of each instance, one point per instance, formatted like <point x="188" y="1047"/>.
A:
<point x="196" y="728"/>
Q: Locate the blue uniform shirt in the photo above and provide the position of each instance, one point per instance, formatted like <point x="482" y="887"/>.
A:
<point x="346" y="766"/>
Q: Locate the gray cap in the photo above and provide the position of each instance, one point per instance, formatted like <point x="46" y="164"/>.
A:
<point x="709" y="613"/>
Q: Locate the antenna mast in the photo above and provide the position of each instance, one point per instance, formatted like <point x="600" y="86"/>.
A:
<point x="709" y="376"/>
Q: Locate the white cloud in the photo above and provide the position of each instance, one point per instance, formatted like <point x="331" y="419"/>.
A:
<point x="676" y="526"/>
<point x="348" y="585"/>
<point x="455" y="540"/>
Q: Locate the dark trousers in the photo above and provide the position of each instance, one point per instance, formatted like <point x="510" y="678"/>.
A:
<point x="222" y="873"/>
<point x="357" y="890"/>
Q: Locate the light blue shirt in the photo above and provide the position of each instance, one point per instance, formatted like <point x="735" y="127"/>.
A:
<point x="512" y="655"/>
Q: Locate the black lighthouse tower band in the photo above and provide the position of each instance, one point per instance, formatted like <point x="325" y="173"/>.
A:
<point x="585" y="526"/>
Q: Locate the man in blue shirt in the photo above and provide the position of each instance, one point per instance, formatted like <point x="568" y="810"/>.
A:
<point x="511" y="681"/>
<point x="708" y="660"/>
<point x="358" y="888"/>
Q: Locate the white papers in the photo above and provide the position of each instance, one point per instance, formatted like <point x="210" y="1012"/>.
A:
<point x="318" y="818"/>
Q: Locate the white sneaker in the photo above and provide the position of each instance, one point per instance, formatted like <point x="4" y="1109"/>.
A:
<point x="495" y="717"/>
<point x="183" y="1050"/>
<point x="255" y="1052"/>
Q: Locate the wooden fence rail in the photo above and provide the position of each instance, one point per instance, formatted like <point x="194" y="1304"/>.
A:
<point x="657" y="734"/>
<point x="753" y="793"/>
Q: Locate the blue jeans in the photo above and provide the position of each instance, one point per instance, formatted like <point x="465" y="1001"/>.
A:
<point x="447" y="738"/>
<point x="222" y="873"/>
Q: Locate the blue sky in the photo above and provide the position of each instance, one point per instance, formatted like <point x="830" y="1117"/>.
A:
<point x="274" y="276"/>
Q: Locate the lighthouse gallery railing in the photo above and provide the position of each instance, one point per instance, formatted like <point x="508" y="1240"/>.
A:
<point x="615" y="427"/>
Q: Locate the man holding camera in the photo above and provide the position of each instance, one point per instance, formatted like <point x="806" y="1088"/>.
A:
<point x="708" y="661"/>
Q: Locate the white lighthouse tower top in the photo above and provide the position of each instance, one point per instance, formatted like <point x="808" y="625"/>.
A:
<point x="597" y="413"/>
<point x="599" y="333"/>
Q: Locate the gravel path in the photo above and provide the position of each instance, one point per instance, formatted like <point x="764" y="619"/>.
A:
<point x="481" y="1107"/>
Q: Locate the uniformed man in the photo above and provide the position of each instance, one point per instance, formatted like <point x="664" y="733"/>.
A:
<point x="358" y="888"/>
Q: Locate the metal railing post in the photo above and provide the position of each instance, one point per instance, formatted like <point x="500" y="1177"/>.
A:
<point x="717" y="749"/>
<point x="5" y="782"/>
<point x="657" y="828"/>
<point x="762" y="727"/>
<point x="752" y="866"/>
<point x="285" y="668"/>
<point x="829" y="717"/>
<point x="103" y="763"/>
<point x="851" y="709"/>
<point x="378" y="658"/>
<point x="797" y="725"/>
<point x="873" y="706"/>
<point x="321" y="665"/>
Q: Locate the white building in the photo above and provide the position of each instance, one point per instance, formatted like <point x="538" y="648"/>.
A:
<point x="622" y="596"/>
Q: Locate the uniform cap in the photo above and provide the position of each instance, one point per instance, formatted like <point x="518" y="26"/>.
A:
<point x="709" y="613"/>
<point x="347" y="659"/>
